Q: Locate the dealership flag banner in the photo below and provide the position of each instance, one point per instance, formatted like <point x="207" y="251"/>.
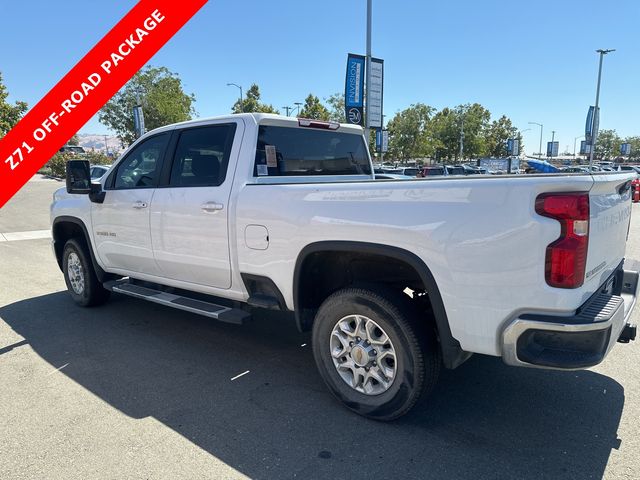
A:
<point x="87" y="87"/>
<point x="354" y="89"/>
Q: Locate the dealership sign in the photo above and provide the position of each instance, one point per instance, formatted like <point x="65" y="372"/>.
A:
<point x="591" y="125"/>
<point x="625" y="149"/>
<point x="552" y="149"/>
<point x="382" y="140"/>
<point x="374" y="107"/>
<point x="354" y="89"/>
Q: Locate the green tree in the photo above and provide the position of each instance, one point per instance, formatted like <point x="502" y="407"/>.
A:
<point x="163" y="102"/>
<point x="75" y="140"/>
<point x="408" y="136"/>
<point x="9" y="114"/>
<point x="336" y="107"/>
<point x="497" y="134"/>
<point x="314" y="109"/>
<point x="607" y="145"/>
<point x="251" y="103"/>
<point x="445" y="134"/>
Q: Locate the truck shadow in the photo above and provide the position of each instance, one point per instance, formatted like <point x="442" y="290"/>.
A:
<point x="484" y="420"/>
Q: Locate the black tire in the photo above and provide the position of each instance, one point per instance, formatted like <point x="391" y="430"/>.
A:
<point x="92" y="293"/>
<point x="414" y="340"/>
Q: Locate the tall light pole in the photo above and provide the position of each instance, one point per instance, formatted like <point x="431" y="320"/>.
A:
<point x="574" y="145"/>
<point x="540" y="148"/>
<point x="298" y="105"/>
<point x="461" y="134"/>
<point x="595" y="110"/>
<point x="553" y="137"/>
<point x="287" y="109"/>
<point x="367" y="116"/>
<point x="241" y="101"/>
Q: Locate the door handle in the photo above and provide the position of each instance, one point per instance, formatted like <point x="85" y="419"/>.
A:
<point x="139" y="204"/>
<point x="212" y="207"/>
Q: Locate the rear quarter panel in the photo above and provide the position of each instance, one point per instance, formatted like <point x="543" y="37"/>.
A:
<point x="480" y="237"/>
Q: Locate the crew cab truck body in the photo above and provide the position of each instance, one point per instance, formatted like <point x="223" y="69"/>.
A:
<point x="395" y="278"/>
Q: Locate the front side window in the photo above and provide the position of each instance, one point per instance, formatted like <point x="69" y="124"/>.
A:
<point x="141" y="167"/>
<point x="202" y="156"/>
<point x="287" y="151"/>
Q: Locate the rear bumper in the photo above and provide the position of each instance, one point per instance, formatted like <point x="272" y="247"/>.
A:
<point x="581" y="340"/>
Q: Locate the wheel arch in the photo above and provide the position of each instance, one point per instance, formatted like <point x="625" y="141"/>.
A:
<point x="66" y="227"/>
<point x="452" y="353"/>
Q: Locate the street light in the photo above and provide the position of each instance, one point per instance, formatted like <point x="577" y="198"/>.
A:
<point x="540" y="148"/>
<point x="287" y="109"/>
<point x="595" y="111"/>
<point x="241" y="101"/>
<point x="298" y="105"/>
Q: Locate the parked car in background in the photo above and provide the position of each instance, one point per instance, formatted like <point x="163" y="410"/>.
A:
<point x="97" y="171"/>
<point x="393" y="176"/>
<point x="432" y="171"/>
<point x="579" y="169"/>
<point x="628" y="168"/>
<point x="409" y="171"/>
<point x="455" y="170"/>
<point x="472" y="170"/>
<point x="73" y="149"/>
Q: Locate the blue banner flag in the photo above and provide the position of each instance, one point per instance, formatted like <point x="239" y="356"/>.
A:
<point x="354" y="89"/>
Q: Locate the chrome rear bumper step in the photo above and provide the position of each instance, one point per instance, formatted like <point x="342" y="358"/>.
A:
<point x="199" y="307"/>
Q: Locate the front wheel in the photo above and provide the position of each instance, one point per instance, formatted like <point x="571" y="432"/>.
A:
<point x="374" y="353"/>
<point x="80" y="276"/>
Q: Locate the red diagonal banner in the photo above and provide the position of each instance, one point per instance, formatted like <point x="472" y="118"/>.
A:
<point x="87" y="87"/>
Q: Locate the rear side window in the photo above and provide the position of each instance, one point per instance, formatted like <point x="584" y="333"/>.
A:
<point x="202" y="156"/>
<point x="285" y="151"/>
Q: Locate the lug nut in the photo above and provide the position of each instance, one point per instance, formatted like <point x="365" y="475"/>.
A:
<point x="358" y="338"/>
<point x="374" y="352"/>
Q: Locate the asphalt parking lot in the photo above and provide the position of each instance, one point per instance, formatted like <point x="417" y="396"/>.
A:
<point x="136" y="390"/>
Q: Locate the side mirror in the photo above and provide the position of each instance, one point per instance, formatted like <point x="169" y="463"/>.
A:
<point x="78" y="177"/>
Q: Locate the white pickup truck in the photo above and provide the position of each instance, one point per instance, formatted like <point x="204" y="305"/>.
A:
<point x="227" y="215"/>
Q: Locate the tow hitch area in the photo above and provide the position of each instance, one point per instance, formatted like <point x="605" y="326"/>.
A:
<point x="628" y="333"/>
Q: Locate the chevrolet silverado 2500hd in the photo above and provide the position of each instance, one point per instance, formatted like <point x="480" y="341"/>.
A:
<point x="394" y="278"/>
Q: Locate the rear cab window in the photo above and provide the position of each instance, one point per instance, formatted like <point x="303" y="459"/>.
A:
<point x="302" y="152"/>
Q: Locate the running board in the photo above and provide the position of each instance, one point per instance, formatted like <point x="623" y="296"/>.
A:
<point x="211" y="310"/>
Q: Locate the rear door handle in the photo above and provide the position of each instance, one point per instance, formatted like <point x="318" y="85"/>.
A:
<point x="212" y="207"/>
<point x="139" y="204"/>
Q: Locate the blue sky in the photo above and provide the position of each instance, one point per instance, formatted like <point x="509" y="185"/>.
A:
<point x="533" y="61"/>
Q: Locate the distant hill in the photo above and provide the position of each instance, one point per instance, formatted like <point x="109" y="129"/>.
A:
<point x="92" y="142"/>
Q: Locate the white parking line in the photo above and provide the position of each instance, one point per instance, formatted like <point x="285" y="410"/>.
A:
<point x="238" y="376"/>
<point x="57" y="369"/>
<point x="31" y="235"/>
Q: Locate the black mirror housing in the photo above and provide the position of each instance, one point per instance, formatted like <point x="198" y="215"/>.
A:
<point x="78" y="177"/>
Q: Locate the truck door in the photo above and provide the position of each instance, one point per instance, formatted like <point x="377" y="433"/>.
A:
<point x="121" y="223"/>
<point x="190" y="215"/>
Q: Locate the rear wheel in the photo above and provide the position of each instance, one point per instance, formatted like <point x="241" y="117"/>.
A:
<point x="373" y="352"/>
<point x="80" y="276"/>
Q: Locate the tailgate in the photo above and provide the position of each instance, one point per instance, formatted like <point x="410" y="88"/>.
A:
<point x="610" y="214"/>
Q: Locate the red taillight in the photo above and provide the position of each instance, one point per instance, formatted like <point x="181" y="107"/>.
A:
<point x="566" y="257"/>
